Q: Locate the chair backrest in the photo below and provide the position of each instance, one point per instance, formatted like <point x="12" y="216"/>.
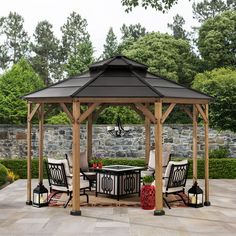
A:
<point x="83" y="161"/>
<point x="176" y="174"/>
<point x="58" y="174"/>
<point x="165" y="159"/>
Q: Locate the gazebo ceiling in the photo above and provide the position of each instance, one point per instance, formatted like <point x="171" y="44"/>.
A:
<point x="117" y="77"/>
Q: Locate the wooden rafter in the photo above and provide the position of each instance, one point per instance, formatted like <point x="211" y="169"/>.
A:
<point x="99" y="111"/>
<point x="136" y="110"/>
<point x="65" y="109"/>
<point x="31" y="115"/>
<point x="167" y="112"/>
<point x="88" y="112"/>
<point x="202" y="113"/>
<point x="188" y="112"/>
<point x="146" y="112"/>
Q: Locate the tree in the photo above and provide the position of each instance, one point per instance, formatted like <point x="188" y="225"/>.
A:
<point x="75" y="38"/>
<point x="160" y="5"/>
<point x="221" y="84"/>
<point x="111" y="46"/>
<point x="217" y="40"/>
<point x="46" y="61"/>
<point x="177" y="27"/>
<point x="16" y="40"/>
<point x="165" y="56"/>
<point x="81" y="61"/>
<point x="132" y="32"/>
<point x="74" y="32"/>
<point x="18" y="81"/>
<point x="202" y="11"/>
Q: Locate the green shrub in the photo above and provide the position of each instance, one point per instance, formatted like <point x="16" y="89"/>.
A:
<point x="219" y="153"/>
<point x="3" y="174"/>
<point x="221" y="168"/>
<point x="19" y="167"/>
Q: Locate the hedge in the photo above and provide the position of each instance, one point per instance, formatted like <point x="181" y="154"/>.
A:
<point x="3" y="174"/>
<point x="223" y="168"/>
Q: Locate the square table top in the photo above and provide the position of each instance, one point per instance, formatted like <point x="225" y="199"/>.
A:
<point x="121" y="168"/>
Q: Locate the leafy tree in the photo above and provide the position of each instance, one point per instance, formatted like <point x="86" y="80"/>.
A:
<point x="74" y="32"/>
<point x="177" y="27"/>
<point x="46" y="61"/>
<point x="165" y="56"/>
<point x="16" y="40"/>
<point x="132" y="31"/>
<point x="217" y="40"/>
<point x="206" y="9"/>
<point x="75" y="40"/>
<point x="81" y="61"/>
<point x="127" y="115"/>
<point x="111" y="46"/>
<point x="160" y="5"/>
<point x="18" y="81"/>
<point x="130" y="34"/>
<point x="221" y="84"/>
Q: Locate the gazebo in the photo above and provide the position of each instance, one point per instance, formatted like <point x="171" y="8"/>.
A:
<point x="117" y="81"/>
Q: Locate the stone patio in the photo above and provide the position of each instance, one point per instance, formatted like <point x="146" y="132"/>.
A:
<point x="16" y="218"/>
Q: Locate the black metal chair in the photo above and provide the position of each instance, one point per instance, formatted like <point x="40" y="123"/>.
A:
<point x="84" y="170"/>
<point x="174" y="180"/>
<point x="60" y="179"/>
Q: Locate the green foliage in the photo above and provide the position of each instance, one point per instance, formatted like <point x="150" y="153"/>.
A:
<point x="132" y="31"/>
<point x="3" y="175"/>
<point x="111" y="45"/>
<point x="223" y="168"/>
<point x="219" y="153"/>
<point x="19" y="167"/>
<point x="61" y="118"/>
<point x="148" y="179"/>
<point x="160" y="5"/>
<point x="121" y="161"/>
<point x="177" y="27"/>
<point x="18" y="81"/>
<point x="46" y="61"/>
<point x="127" y="115"/>
<point x="82" y="60"/>
<point x="217" y="41"/>
<point x="221" y="84"/>
<point x="165" y="56"/>
<point x="206" y="9"/>
<point x="15" y="39"/>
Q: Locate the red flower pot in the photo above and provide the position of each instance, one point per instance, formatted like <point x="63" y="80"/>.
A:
<point x="148" y="197"/>
<point x="100" y="165"/>
<point x="94" y="165"/>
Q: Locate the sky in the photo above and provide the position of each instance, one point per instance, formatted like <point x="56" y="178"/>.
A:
<point x="100" y="16"/>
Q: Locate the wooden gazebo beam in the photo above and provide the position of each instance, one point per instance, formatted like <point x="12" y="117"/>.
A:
<point x="76" y="160"/>
<point x="29" y="147"/>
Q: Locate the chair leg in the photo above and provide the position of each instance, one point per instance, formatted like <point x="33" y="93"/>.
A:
<point x="166" y="203"/>
<point x="70" y="197"/>
<point x="55" y="193"/>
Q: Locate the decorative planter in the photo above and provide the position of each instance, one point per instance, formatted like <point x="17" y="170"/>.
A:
<point x="148" y="197"/>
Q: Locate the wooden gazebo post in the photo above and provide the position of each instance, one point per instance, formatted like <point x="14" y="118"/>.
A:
<point x="29" y="141"/>
<point x="147" y="137"/>
<point x="158" y="160"/>
<point x="41" y="137"/>
<point x="195" y="115"/>
<point x="206" y="125"/>
<point x="76" y="160"/>
<point x="89" y="136"/>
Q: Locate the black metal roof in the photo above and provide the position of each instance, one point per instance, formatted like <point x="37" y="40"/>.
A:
<point x="117" y="77"/>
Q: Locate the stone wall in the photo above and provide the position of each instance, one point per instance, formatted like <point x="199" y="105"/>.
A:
<point x="58" y="140"/>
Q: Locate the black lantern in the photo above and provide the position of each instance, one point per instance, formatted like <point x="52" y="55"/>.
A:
<point x="118" y="130"/>
<point x="40" y="196"/>
<point x="195" y="196"/>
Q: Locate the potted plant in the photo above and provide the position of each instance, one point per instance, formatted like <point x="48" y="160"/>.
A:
<point x="147" y="180"/>
<point x="99" y="164"/>
<point x="94" y="163"/>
